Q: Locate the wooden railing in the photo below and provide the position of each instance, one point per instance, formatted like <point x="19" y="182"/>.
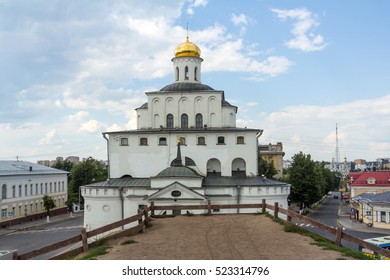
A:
<point x="143" y="220"/>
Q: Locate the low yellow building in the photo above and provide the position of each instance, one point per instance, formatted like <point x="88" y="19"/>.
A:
<point x="372" y="209"/>
<point x="273" y="153"/>
<point x="23" y="186"/>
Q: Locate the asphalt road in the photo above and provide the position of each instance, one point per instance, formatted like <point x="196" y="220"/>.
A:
<point x="31" y="239"/>
<point x="326" y="213"/>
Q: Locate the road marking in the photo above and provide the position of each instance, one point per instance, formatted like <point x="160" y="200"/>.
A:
<point x="44" y="230"/>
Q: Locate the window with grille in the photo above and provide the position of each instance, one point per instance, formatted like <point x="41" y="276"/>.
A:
<point x="143" y="141"/>
<point x="176" y="193"/>
<point x="162" y="141"/>
<point x="240" y="140"/>
<point x="201" y="140"/>
<point x="124" y="141"/>
<point x="221" y="140"/>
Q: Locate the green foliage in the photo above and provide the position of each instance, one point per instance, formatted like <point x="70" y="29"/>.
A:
<point x="325" y="243"/>
<point x="48" y="203"/>
<point x="302" y="177"/>
<point x="130" y="241"/>
<point x="86" y="172"/>
<point x="310" y="180"/>
<point x="72" y="199"/>
<point x="266" y="168"/>
<point x="63" y="165"/>
<point x="94" y="252"/>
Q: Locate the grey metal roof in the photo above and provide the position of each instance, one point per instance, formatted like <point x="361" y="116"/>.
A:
<point x="216" y="181"/>
<point x="16" y="167"/>
<point x="180" y="87"/>
<point x="227" y="104"/>
<point x="123" y="182"/>
<point x="209" y="181"/>
<point x="374" y="198"/>
<point x="178" y="171"/>
<point x="144" y="106"/>
<point x="181" y="130"/>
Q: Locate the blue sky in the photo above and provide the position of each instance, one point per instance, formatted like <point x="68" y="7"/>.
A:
<point x="70" y="70"/>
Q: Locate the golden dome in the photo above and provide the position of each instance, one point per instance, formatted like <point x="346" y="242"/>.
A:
<point x="187" y="49"/>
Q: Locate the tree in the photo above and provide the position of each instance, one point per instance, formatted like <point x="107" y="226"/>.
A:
<point x="266" y="168"/>
<point x="63" y="165"/>
<point x="86" y="172"/>
<point x="48" y="203"/>
<point x="302" y="177"/>
<point x="310" y="180"/>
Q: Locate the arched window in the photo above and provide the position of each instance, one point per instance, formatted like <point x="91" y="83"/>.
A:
<point x="196" y="73"/>
<point x="198" y="121"/>
<point x="186" y="73"/>
<point x="213" y="167"/>
<point x="4" y="191"/>
<point x="238" y="167"/>
<point x="124" y="141"/>
<point x="177" y="73"/>
<point x="184" y="121"/>
<point x="169" y="121"/>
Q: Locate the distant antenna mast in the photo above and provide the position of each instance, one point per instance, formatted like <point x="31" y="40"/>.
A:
<point x="337" y="149"/>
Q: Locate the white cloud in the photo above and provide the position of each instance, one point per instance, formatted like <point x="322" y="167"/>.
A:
<point x="194" y="4"/>
<point x="362" y="128"/>
<point x="49" y="137"/>
<point x="235" y="59"/>
<point x="304" y="24"/>
<point x="78" y="116"/>
<point x="242" y="21"/>
<point x="91" y="126"/>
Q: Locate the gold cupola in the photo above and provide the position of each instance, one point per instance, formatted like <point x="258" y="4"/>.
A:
<point x="187" y="49"/>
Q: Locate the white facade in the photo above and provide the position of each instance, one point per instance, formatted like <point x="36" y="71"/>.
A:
<point x="23" y="185"/>
<point x="186" y="150"/>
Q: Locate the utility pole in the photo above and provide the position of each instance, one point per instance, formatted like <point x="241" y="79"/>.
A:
<point x="337" y="150"/>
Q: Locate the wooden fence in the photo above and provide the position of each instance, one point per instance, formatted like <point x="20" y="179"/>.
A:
<point x="143" y="221"/>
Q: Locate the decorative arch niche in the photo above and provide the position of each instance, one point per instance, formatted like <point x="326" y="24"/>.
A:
<point x="213" y="167"/>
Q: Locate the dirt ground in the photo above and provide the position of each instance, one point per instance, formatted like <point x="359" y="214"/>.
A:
<point x="218" y="237"/>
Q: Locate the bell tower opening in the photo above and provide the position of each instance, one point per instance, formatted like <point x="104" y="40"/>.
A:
<point x="187" y="62"/>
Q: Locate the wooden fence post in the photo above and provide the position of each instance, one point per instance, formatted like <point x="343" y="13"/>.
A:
<point x="84" y="239"/>
<point x="276" y="211"/>
<point x="263" y="206"/>
<point x="339" y="231"/>
<point x="289" y="218"/>
<point x="146" y="218"/>
<point x="152" y="207"/>
<point x="15" y="255"/>
<point x="140" y="219"/>
<point x="208" y="207"/>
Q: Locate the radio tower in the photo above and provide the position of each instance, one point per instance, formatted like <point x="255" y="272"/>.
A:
<point x="337" y="150"/>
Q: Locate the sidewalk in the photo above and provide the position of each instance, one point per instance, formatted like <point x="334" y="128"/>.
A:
<point x="344" y="220"/>
<point x="39" y="223"/>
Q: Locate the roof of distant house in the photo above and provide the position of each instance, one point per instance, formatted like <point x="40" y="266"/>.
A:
<point x="17" y="167"/>
<point x="370" y="178"/>
<point x="373" y="198"/>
